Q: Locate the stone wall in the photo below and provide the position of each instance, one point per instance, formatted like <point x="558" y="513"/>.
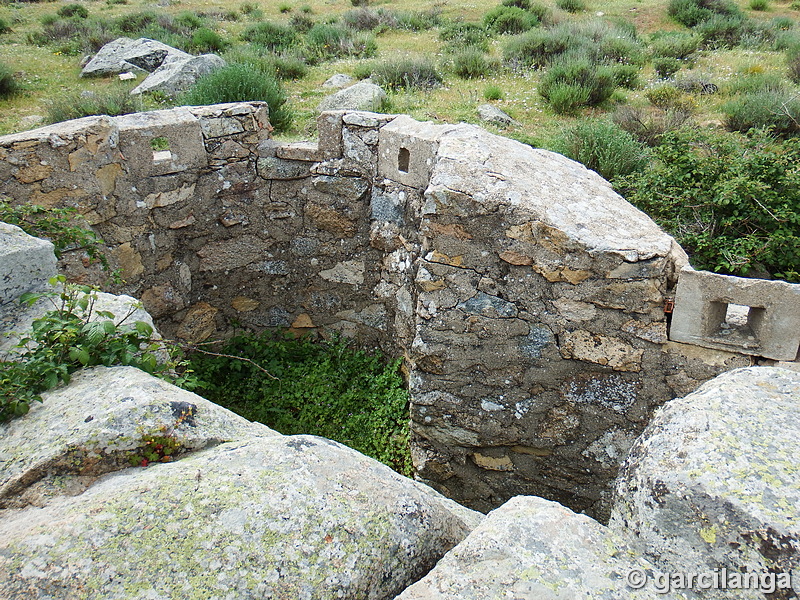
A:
<point x="530" y="301"/>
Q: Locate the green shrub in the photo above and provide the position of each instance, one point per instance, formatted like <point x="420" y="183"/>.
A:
<point x="321" y="388"/>
<point x="649" y="125"/>
<point x="301" y="23"/>
<point x="669" y="97"/>
<point x="65" y="340"/>
<point x="622" y="50"/>
<point x="206" y="40"/>
<point x="778" y="111"/>
<point x="272" y="36"/>
<point x="721" y="31"/>
<point x="572" y="6"/>
<point x="332" y="41"/>
<point x="573" y="82"/>
<point x="471" y="63"/>
<point x="78" y="11"/>
<point x="678" y="45"/>
<point x="8" y="83"/>
<point x="189" y="20"/>
<point x="419" y="20"/>
<point x="5" y="26"/>
<point x="626" y="76"/>
<point x="603" y="147"/>
<point x="492" y="92"/>
<point x="241" y="83"/>
<point x="747" y="83"/>
<point x="284" y="8"/>
<point x="759" y="5"/>
<point x="693" y="12"/>
<point x="523" y="4"/>
<point x="730" y="200"/>
<point x="793" y="64"/>
<point x="509" y="19"/>
<point x="76" y="105"/>
<point x="461" y="35"/>
<point x="536" y="48"/>
<point x="408" y="73"/>
<point x="665" y="67"/>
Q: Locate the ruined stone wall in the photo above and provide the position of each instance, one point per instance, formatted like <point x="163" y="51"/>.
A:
<point x="527" y="297"/>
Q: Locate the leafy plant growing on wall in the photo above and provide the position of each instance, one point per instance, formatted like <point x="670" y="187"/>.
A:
<point x="67" y="339"/>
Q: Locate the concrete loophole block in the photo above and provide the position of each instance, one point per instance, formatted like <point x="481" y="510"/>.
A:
<point x="749" y="316"/>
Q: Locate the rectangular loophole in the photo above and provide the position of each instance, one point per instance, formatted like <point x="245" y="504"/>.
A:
<point x="738" y="323"/>
<point x="161" y="151"/>
<point x="403" y="160"/>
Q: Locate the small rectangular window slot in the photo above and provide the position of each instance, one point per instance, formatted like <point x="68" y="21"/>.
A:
<point x="403" y="160"/>
<point x="161" y="152"/>
<point x="736" y="323"/>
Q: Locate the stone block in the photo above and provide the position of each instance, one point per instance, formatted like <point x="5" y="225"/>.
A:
<point x="329" y="127"/>
<point x="749" y="316"/>
<point x="183" y="135"/>
<point x="26" y="263"/>
<point x="407" y="150"/>
<point x="305" y="151"/>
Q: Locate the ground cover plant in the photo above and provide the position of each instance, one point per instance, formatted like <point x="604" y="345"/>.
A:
<point x="647" y="68"/>
<point x="320" y="387"/>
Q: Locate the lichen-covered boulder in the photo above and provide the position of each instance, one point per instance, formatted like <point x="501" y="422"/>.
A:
<point x="97" y="424"/>
<point x="532" y="548"/>
<point x="714" y="481"/>
<point x="124" y="54"/>
<point x="296" y="517"/>
<point x="177" y="76"/>
<point x="361" y="96"/>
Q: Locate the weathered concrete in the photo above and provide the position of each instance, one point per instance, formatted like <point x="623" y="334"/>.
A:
<point x="771" y="323"/>
<point x="713" y="482"/>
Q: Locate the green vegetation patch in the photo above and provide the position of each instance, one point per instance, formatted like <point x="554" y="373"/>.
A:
<point x="324" y="388"/>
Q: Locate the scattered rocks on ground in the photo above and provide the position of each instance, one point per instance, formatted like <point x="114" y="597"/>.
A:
<point x="489" y="113"/>
<point x="124" y="54"/>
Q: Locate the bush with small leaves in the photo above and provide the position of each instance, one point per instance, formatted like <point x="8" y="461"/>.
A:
<point x="739" y="211"/>
<point x="241" y="83"/>
<point x="509" y="19"/>
<point x="326" y="41"/>
<point x="665" y="67"/>
<point x="409" y="73"/>
<point x="678" y="45"/>
<point x="575" y="81"/>
<point x="461" y="35"/>
<point x="523" y="4"/>
<point x="759" y="5"/>
<point x="206" y="40"/>
<point x="793" y="63"/>
<point x="323" y="388"/>
<point x="572" y="6"/>
<point x="5" y="26"/>
<point x="777" y="111"/>
<point x="113" y="102"/>
<point x="627" y="76"/>
<point x="471" y="63"/>
<point x="272" y="36"/>
<point x="78" y="11"/>
<point x="721" y="31"/>
<point x="649" y="125"/>
<point x="669" y="97"/>
<point x="694" y="12"/>
<point x="602" y="146"/>
<point x="8" y="83"/>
